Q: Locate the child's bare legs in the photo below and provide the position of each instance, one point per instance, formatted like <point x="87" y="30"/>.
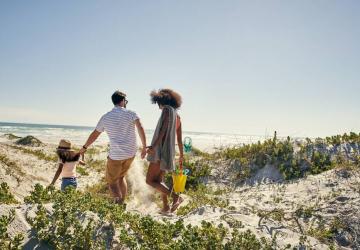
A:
<point x="154" y="178"/>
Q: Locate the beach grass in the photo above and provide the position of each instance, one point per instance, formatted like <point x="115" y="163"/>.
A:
<point x="38" y="153"/>
<point x="82" y="171"/>
<point x="96" y="164"/>
<point x="11" y="136"/>
<point x="12" y="168"/>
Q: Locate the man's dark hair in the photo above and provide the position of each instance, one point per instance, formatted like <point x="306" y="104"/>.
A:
<point x="117" y="97"/>
<point x="166" y="97"/>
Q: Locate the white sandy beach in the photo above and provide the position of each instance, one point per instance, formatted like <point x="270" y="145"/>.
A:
<point x="331" y="194"/>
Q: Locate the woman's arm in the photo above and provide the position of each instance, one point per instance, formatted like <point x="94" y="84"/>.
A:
<point x="57" y="174"/>
<point x="165" y="118"/>
<point x="179" y="140"/>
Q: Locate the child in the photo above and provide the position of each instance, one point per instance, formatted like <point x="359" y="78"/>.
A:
<point x="68" y="159"/>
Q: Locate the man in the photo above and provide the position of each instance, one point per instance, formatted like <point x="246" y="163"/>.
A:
<point x="119" y="124"/>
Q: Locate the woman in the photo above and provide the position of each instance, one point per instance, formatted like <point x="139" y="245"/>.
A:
<point x="161" y="153"/>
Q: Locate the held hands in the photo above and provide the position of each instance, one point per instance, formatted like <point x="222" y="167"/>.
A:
<point x="150" y="150"/>
<point x="82" y="152"/>
<point x="143" y="152"/>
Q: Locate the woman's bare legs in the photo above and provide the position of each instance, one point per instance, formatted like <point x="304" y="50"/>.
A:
<point x="164" y="197"/>
<point x="155" y="178"/>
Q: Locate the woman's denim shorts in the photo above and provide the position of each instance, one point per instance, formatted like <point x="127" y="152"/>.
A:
<point x="68" y="181"/>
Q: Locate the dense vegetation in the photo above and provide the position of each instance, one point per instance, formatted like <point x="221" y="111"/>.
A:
<point x="83" y="221"/>
<point x="297" y="159"/>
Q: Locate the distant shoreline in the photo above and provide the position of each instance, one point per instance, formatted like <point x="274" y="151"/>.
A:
<point x="79" y="127"/>
<point x="13" y="124"/>
<point x="37" y="125"/>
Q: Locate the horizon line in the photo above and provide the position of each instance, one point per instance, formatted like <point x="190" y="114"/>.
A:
<point x="92" y="127"/>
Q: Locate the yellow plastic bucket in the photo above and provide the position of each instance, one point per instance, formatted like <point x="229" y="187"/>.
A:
<point x="179" y="182"/>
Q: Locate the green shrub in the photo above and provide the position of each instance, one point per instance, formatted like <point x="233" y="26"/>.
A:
<point x="326" y="232"/>
<point x="199" y="170"/>
<point x="290" y="170"/>
<point x="7" y="242"/>
<point x="29" y="141"/>
<point x="320" y="162"/>
<point x="247" y="241"/>
<point x="82" y="171"/>
<point x="345" y="138"/>
<point x="281" y="153"/>
<point x="304" y="212"/>
<point x="204" y="155"/>
<point x="63" y="227"/>
<point x="200" y="197"/>
<point x="207" y="236"/>
<point x="40" y="194"/>
<point x="6" y="197"/>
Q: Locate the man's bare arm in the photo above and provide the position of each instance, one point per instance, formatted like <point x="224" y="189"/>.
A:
<point x="142" y="136"/>
<point x="93" y="136"/>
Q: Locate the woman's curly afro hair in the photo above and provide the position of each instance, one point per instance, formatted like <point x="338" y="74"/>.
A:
<point x="166" y="97"/>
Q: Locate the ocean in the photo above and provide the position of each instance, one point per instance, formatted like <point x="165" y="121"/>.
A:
<point x="79" y="134"/>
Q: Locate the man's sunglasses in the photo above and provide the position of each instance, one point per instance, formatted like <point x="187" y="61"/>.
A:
<point x="126" y="101"/>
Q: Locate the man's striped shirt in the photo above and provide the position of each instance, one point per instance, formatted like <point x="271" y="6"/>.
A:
<point x="119" y="124"/>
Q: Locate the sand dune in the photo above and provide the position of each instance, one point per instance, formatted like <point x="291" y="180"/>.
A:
<point x="331" y="194"/>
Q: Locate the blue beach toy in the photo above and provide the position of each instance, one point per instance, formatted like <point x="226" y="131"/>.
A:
<point x="186" y="171"/>
<point x="187" y="144"/>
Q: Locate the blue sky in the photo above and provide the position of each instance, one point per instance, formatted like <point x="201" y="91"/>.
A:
<point x="245" y="67"/>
